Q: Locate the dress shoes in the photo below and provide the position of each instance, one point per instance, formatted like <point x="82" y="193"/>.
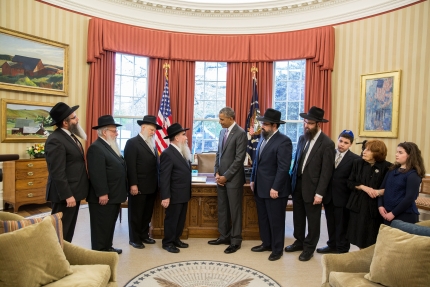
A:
<point x="261" y="248"/>
<point x="326" y="250"/>
<point x="148" y="241"/>
<point x="219" y="241"/>
<point x="274" y="257"/>
<point x="306" y="255"/>
<point x="232" y="248"/>
<point x="293" y="248"/>
<point x="180" y="244"/>
<point x="111" y="249"/>
<point x="137" y="245"/>
<point x="171" y="248"/>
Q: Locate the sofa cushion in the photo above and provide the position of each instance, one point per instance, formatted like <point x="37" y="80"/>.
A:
<point x="411" y="228"/>
<point x="85" y="276"/>
<point x="342" y="279"/>
<point x="400" y="259"/>
<point x="12" y="225"/>
<point x="32" y="256"/>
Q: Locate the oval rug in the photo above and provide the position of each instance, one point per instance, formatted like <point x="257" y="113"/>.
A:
<point x="202" y="273"/>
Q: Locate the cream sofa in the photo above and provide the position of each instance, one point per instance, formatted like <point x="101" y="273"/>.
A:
<point x="350" y="269"/>
<point x="90" y="268"/>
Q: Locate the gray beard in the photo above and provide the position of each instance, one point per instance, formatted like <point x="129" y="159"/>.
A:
<point x="114" y="145"/>
<point x="78" y="131"/>
<point x="185" y="150"/>
<point x="149" y="140"/>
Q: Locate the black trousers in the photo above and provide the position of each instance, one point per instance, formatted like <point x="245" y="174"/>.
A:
<point x="70" y="215"/>
<point x="303" y="211"/>
<point x="174" y="222"/>
<point x="271" y="222"/>
<point x="102" y="222"/>
<point x="337" y="227"/>
<point x="230" y="210"/>
<point x="140" y="208"/>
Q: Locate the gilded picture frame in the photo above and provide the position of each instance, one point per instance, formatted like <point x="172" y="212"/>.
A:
<point x="379" y="106"/>
<point x="33" y="64"/>
<point x="25" y="121"/>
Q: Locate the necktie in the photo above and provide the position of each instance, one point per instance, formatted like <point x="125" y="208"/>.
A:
<point x="150" y="147"/>
<point x="263" y="144"/>
<point x="78" y="143"/>
<point x="224" y="139"/>
<point x="339" y="157"/>
<point x="302" y="157"/>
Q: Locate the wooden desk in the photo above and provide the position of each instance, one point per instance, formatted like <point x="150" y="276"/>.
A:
<point x="202" y="213"/>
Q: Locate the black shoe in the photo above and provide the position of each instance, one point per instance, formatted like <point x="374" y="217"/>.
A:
<point x="117" y="250"/>
<point x="137" y="245"/>
<point x="326" y="250"/>
<point x="148" y="241"/>
<point x="306" y="255"/>
<point x="180" y="244"/>
<point x="274" y="257"/>
<point x="261" y="248"/>
<point x="232" y="249"/>
<point x="171" y="248"/>
<point x="219" y="241"/>
<point x="293" y="247"/>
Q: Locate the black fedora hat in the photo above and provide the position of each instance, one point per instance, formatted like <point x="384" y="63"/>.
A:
<point x="174" y="130"/>
<point x="149" y="120"/>
<point x="106" y="120"/>
<point x="271" y="116"/>
<point x="61" y="111"/>
<point x="314" y="114"/>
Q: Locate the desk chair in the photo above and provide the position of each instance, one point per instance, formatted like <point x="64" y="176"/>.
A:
<point x="206" y="162"/>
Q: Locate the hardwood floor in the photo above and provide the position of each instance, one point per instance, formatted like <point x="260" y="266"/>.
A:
<point x="31" y="209"/>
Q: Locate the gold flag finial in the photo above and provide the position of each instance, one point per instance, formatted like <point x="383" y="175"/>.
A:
<point x="166" y="68"/>
<point x="254" y="70"/>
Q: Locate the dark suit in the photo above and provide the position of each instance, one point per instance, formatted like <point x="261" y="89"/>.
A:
<point x="315" y="179"/>
<point x="142" y="170"/>
<point x="108" y="175"/>
<point x="271" y="170"/>
<point x="229" y="163"/>
<point x="175" y="183"/>
<point x="67" y="177"/>
<point x="335" y="201"/>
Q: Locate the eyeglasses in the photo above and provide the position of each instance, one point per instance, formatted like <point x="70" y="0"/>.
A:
<point x="309" y="123"/>
<point x="114" y="131"/>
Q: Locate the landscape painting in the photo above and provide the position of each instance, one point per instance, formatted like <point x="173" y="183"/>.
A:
<point x="24" y="121"/>
<point x="32" y="64"/>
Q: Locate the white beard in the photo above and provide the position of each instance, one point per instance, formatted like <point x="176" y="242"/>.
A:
<point x="78" y="131"/>
<point x="149" y="140"/>
<point x="114" y="145"/>
<point x="185" y="150"/>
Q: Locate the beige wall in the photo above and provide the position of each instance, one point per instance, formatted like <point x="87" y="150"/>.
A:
<point x="35" y="18"/>
<point x="399" y="40"/>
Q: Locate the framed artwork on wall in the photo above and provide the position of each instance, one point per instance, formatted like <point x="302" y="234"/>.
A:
<point x="33" y="64"/>
<point x="24" y="121"/>
<point x="379" y="107"/>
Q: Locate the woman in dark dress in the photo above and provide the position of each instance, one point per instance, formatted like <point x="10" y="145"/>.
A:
<point x="402" y="184"/>
<point x="366" y="177"/>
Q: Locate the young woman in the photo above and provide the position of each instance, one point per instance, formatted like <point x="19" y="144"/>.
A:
<point x="401" y="185"/>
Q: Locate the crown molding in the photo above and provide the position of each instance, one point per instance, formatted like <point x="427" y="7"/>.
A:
<point x="239" y="18"/>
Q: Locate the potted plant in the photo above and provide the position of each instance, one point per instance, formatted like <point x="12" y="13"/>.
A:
<point x="36" y="151"/>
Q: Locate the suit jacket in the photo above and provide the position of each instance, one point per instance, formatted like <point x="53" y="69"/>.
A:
<point x="66" y="165"/>
<point x="108" y="173"/>
<point x="271" y="168"/>
<point x="175" y="176"/>
<point x="338" y="190"/>
<point x="318" y="168"/>
<point x="230" y="157"/>
<point x="142" y="165"/>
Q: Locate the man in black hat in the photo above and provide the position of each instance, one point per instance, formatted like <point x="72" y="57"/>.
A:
<point x="175" y="186"/>
<point x="142" y="160"/>
<point x="108" y="184"/>
<point x="68" y="180"/>
<point x="271" y="184"/>
<point x="311" y="175"/>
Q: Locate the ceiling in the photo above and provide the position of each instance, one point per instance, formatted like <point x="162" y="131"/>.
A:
<point x="231" y="16"/>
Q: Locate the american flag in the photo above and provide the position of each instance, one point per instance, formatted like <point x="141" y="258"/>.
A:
<point x="253" y="127"/>
<point x="164" y="119"/>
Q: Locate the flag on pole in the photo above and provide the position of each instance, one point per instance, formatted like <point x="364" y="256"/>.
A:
<point x="164" y="117"/>
<point x="253" y="127"/>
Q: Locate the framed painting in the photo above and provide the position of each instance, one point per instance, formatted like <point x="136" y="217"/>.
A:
<point x="32" y="64"/>
<point x="379" y="107"/>
<point x="24" y="121"/>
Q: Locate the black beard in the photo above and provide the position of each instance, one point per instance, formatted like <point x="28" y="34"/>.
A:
<point x="310" y="134"/>
<point x="267" y="134"/>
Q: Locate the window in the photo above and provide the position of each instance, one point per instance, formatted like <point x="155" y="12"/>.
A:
<point x="130" y="98"/>
<point x="209" y="99"/>
<point x="289" y="97"/>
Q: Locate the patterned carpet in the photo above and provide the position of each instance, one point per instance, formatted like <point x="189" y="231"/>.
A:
<point x="201" y="273"/>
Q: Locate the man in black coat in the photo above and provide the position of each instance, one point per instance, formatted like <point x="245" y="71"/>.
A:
<point x="336" y="213"/>
<point x="68" y="180"/>
<point x="312" y="171"/>
<point x="108" y="184"/>
<point x="142" y="160"/>
<point x="270" y="182"/>
<point x="175" y="186"/>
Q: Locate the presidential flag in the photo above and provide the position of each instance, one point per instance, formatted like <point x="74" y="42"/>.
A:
<point x="253" y="127"/>
<point x="164" y="119"/>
